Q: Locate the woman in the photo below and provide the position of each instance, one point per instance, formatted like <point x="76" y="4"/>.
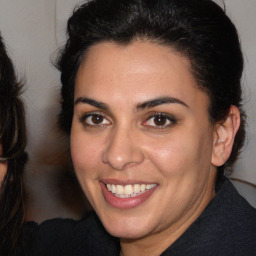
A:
<point x="151" y="99"/>
<point x="12" y="156"/>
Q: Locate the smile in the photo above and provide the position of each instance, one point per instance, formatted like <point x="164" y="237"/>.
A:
<point x="128" y="191"/>
<point x="125" y="196"/>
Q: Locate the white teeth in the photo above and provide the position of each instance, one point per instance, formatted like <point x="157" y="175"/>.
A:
<point x="119" y="189"/>
<point x="149" y="186"/>
<point x="136" y="188"/>
<point x="113" y="188"/>
<point x="129" y="190"/>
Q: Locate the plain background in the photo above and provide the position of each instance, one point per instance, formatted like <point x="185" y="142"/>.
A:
<point x="33" y="31"/>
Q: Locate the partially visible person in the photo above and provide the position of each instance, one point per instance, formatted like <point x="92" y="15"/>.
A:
<point x="12" y="157"/>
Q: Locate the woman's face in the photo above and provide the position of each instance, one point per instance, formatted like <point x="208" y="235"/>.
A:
<point x="141" y="139"/>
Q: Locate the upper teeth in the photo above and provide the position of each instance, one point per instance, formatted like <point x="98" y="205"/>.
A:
<point x="129" y="190"/>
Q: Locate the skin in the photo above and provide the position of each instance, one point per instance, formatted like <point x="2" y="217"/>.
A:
<point x="3" y="167"/>
<point x="128" y="146"/>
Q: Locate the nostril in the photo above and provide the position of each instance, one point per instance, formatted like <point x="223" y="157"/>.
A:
<point x="130" y="164"/>
<point x="120" y="160"/>
<point x="121" y="151"/>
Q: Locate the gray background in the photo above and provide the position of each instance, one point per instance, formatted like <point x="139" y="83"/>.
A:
<point x="33" y="30"/>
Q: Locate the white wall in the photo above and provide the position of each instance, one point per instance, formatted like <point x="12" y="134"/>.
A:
<point x="33" y="30"/>
<point x="242" y="13"/>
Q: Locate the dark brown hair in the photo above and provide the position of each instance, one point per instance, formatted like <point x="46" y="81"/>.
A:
<point x="198" y="29"/>
<point x="13" y="141"/>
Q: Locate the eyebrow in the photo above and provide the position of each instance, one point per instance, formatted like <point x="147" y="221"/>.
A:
<point x="159" y="101"/>
<point x="140" y="106"/>
<point x="92" y="102"/>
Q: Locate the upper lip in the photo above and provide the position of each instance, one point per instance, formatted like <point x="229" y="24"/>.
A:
<point x="125" y="182"/>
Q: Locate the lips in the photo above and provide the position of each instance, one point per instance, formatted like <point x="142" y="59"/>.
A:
<point x="126" y="196"/>
<point x="129" y="190"/>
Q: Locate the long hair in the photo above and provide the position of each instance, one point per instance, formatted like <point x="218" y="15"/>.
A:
<point x="13" y="141"/>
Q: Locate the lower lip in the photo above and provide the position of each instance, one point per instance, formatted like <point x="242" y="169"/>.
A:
<point x="125" y="203"/>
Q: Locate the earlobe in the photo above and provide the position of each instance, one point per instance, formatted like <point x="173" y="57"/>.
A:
<point x="224" y="136"/>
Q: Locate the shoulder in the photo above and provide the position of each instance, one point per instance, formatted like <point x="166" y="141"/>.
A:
<point x="68" y="237"/>
<point x="226" y="227"/>
<point x="238" y="220"/>
<point x="54" y="236"/>
<point x="233" y="209"/>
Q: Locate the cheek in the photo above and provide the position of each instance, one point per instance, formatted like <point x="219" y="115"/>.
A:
<point x="166" y="157"/>
<point x="170" y="156"/>
<point x="85" y="157"/>
<point x="181" y="156"/>
<point x="85" y="153"/>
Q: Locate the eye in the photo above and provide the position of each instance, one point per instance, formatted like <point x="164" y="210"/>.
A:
<point x="94" y="119"/>
<point x="160" y="120"/>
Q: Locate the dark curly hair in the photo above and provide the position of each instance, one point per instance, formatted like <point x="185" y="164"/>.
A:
<point x="13" y="141"/>
<point x="198" y="29"/>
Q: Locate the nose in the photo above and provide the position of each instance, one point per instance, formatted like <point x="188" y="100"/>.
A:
<point x="122" y="150"/>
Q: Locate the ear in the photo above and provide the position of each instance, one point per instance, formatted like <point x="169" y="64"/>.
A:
<point x="224" y="136"/>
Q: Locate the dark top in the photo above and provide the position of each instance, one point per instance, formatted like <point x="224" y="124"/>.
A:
<point x="68" y="237"/>
<point x="226" y="227"/>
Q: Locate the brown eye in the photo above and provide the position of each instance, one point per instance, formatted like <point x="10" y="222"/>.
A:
<point x="97" y="119"/>
<point x="94" y="120"/>
<point x="160" y="121"/>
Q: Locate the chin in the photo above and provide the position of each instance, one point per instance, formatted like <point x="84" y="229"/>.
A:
<point x="126" y="233"/>
<point x="126" y="228"/>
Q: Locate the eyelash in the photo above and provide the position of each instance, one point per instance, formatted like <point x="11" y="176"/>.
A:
<point x="167" y="118"/>
<point x="91" y="115"/>
<point x="172" y="121"/>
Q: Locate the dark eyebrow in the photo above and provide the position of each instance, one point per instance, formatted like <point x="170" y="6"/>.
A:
<point x="160" y="101"/>
<point x="92" y="102"/>
<point x="140" y="106"/>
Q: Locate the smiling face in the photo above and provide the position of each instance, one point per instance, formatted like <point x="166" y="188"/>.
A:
<point x="141" y="139"/>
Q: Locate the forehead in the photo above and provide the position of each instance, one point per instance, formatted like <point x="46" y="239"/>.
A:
<point x="137" y="71"/>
